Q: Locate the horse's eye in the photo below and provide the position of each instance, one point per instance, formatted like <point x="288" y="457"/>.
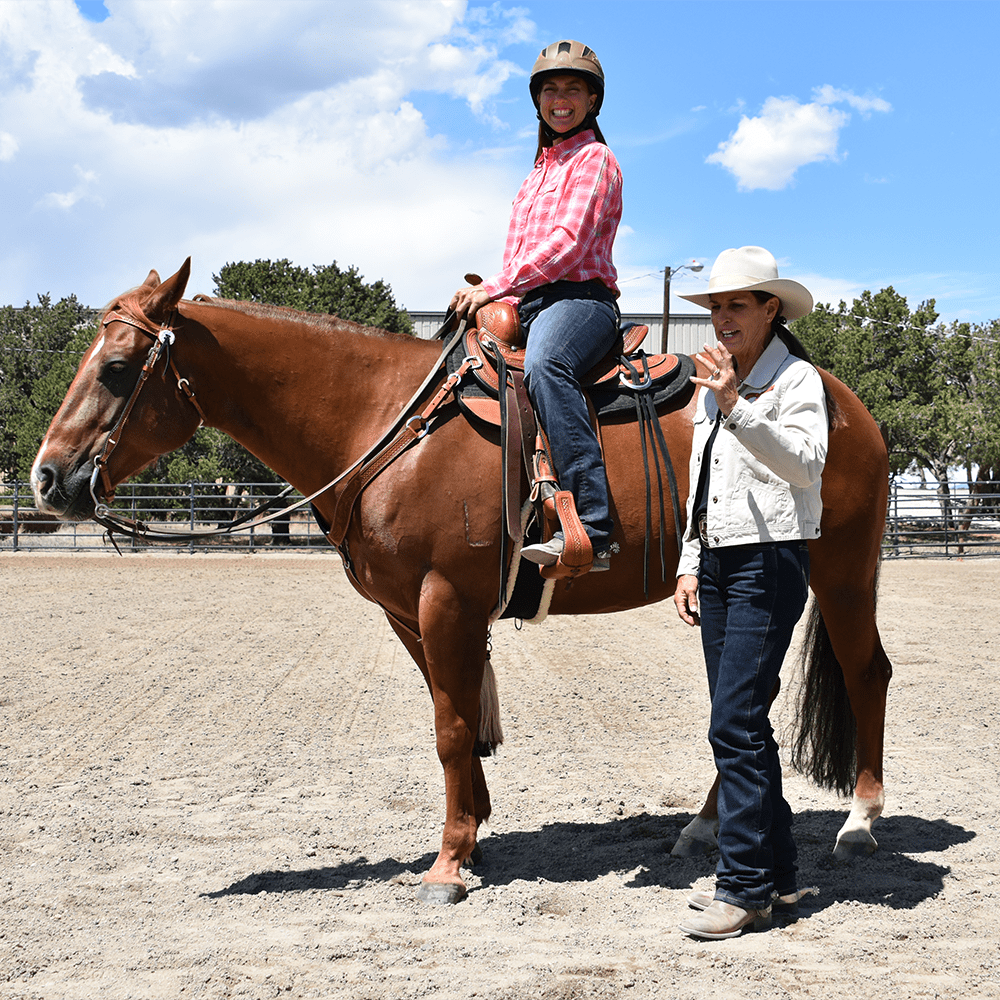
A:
<point x="115" y="367"/>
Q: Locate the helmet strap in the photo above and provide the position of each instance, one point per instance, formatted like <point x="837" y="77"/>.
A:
<point x="551" y="134"/>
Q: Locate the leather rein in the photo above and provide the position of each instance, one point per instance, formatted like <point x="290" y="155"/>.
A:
<point x="399" y="435"/>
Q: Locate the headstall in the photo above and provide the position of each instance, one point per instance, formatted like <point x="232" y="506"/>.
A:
<point x="404" y="430"/>
<point x="162" y="339"/>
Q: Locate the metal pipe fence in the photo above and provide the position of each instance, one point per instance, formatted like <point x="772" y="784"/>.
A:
<point x="924" y="522"/>
<point x="177" y="506"/>
<point x="921" y="522"/>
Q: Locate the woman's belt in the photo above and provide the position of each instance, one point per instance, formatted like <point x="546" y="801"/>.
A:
<point x="703" y="529"/>
<point x="594" y="288"/>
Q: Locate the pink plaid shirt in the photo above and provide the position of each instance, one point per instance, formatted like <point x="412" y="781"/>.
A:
<point x="564" y="220"/>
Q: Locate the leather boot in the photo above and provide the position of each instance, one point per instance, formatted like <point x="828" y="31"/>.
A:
<point x="723" y="920"/>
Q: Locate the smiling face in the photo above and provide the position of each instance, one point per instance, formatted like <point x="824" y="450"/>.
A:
<point x="743" y="325"/>
<point x="565" y="101"/>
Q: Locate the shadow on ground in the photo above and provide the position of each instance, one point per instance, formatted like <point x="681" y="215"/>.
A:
<point x="583" y="852"/>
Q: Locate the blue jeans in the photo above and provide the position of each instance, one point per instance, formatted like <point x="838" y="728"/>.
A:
<point x="566" y="337"/>
<point x="750" y="597"/>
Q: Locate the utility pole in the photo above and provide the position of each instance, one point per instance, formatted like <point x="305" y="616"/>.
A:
<point x="668" y="272"/>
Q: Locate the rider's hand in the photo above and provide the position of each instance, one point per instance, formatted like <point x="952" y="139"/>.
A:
<point x="467" y="300"/>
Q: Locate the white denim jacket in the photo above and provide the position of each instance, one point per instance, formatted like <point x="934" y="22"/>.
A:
<point x="767" y="459"/>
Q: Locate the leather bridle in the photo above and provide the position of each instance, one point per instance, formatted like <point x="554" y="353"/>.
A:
<point x="162" y="340"/>
<point x="396" y="438"/>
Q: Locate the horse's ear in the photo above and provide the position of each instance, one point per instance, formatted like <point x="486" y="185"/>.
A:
<point x="152" y="280"/>
<point x="164" y="297"/>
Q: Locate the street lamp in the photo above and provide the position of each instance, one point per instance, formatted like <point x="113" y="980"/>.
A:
<point x="668" y="272"/>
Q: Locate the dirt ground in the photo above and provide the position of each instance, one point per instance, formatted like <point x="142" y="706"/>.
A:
<point x="218" y="779"/>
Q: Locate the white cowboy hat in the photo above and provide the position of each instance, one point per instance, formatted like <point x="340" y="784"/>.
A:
<point x="753" y="269"/>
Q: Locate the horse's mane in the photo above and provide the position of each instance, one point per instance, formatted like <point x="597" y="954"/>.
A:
<point x="324" y="321"/>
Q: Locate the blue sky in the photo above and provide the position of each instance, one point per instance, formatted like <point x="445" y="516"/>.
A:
<point x="856" y="141"/>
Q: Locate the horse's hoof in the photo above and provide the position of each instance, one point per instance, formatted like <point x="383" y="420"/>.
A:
<point x="475" y="858"/>
<point x="692" y="847"/>
<point x="856" y="844"/>
<point x="699" y="837"/>
<point x="437" y="893"/>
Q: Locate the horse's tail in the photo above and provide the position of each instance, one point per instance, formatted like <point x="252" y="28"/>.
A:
<point x="826" y="738"/>
<point x="490" y="734"/>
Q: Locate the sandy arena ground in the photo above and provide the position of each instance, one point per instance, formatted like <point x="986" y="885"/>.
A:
<point x="219" y="780"/>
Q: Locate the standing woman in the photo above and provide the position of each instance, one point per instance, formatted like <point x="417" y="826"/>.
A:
<point x="759" y="446"/>
<point x="557" y="265"/>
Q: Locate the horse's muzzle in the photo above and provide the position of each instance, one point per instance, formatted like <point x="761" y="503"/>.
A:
<point x="64" y="496"/>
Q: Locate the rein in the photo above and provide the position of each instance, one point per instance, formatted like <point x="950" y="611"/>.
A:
<point x="163" y="337"/>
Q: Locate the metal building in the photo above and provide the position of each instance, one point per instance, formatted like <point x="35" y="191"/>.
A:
<point x="687" y="334"/>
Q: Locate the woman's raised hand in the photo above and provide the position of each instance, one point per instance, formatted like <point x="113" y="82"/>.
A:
<point x="722" y="378"/>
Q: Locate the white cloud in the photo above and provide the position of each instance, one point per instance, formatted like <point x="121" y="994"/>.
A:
<point x="866" y="105"/>
<point x="832" y="291"/>
<point x="8" y="146"/>
<point x="766" y="151"/>
<point x="83" y="189"/>
<point x="241" y="130"/>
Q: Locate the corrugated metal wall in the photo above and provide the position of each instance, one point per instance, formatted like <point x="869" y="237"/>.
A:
<point x="687" y="333"/>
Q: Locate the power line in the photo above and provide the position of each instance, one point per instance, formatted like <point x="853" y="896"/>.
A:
<point x="937" y="331"/>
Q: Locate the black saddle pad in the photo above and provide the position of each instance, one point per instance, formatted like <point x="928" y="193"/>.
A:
<point x="609" y="397"/>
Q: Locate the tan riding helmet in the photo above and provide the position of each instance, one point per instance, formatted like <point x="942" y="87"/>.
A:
<point x="567" y="56"/>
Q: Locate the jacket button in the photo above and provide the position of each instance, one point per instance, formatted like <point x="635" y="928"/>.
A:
<point x="715" y="499"/>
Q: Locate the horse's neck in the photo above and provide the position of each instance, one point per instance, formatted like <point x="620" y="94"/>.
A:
<point x="306" y="399"/>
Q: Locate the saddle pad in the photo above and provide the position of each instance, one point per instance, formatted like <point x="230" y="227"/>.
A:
<point x="484" y="346"/>
<point x="608" y="397"/>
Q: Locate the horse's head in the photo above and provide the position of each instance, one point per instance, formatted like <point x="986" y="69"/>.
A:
<point x="123" y="409"/>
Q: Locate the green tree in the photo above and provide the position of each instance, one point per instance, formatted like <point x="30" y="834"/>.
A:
<point x="984" y="390"/>
<point x="320" y="289"/>
<point x="913" y="376"/>
<point x="40" y="348"/>
<point x="210" y="455"/>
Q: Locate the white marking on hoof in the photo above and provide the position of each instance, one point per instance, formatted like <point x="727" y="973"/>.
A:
<point x="855" y="837"/>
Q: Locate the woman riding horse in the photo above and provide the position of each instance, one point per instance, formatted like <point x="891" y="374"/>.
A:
<point x="557" y="262"/>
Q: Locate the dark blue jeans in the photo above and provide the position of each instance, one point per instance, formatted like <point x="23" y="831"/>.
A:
<point x="750" y="597"/>
<point x="566" y="337"/>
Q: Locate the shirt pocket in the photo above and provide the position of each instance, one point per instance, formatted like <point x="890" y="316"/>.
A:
<point x="766" y="406"/>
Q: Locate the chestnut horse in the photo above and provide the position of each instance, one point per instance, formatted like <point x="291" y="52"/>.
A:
<point x="308" y="395"/>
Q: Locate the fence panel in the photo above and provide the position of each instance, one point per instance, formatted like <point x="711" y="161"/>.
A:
<point x="920" y="524"/>
<point x="923" y="522"/>
<point x="181" y="506"/>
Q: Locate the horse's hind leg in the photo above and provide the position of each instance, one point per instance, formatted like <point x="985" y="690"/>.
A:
<point x="849" y="616"/>
<point x="701" y="835"/>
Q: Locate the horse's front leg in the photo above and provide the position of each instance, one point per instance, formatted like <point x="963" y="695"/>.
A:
<point x="483" y="807"/>
<point x="453" y="642"/>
